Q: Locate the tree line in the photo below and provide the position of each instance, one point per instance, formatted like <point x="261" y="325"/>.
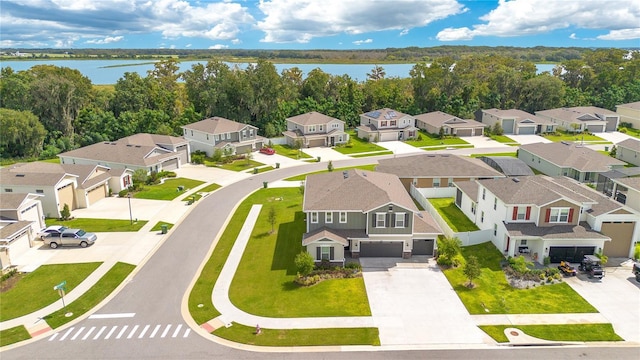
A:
<point x="47" y="109"/>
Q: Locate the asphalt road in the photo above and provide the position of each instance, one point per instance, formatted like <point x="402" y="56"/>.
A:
<point x="155" y="294"/>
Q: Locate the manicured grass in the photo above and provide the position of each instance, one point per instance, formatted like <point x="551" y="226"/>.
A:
<point x="427" y="139"/>
<point x="569" y="332"/>
<point x="447" y="147"/>
<point x="93" y="296"/>
<point x="632" y="132"/>
<point x="264" y="281"/>
<point x="261" y="169"/>
<point x="304" y="176"/>
<point x="99" y="225"/>
<point x="503" y="139"/>
<point x="455" y="218"/>
<point x="210" y="188"/>
<point x="167" y="190"/>
<point x="304" y="337"/>
<point x="510" y="154"/>
<point x="13" y="335"/>
<point x="288" y="151"/>
<point x="493" y="295"/>
<point x="158" y="226"/>
<point x="206" y="189"/>
<point x="35" y="290"/>
<point x="237" y="165"/>
<point x="565" y="136"/>
<point x="55" y="160"/>
<point x="389" y="152"/>
<point x="357" y="145"/>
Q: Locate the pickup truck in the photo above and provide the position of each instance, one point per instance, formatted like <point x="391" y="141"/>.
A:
<point x="70" y="237"/>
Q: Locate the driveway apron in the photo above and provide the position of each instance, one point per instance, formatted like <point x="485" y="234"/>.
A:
<point x="412" y="303"/>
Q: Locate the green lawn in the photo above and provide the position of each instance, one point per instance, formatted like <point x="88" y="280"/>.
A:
<point x="446" y="147"/>
<point x="237" y="165"/>
<point x="35" y="290"/>
<point x="357" y="145"/>
<point x="206" y="189"/>
<point x="503" y="139"/>
<point x="264" y="281"/>
<point x="427" y="139"/>
<point x="167" y="190"/>
<point x="261" y="169"/>
<point x="493" y="295"/>
<point x="455" y="218"/>
<point x="569" y="332"/>
<point x="98" y="292"/>
<point x="511" y="154"/>
<point x="13" y="335"/>
<point x="305" y="337"/>
<point x="210" y="188"/>
<point x="158" y="226"/>
<point x="632" y="132"/>
<point x="288" y="151"/>
<point x="566" y="136"/>
<point x="55" y="160"/>
<point x="99" y="225"/>
<point x="304" y="176"/>
<point x="388" y="152"/>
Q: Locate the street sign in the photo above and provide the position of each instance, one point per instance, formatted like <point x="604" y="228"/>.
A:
<point x="61" y="286"/>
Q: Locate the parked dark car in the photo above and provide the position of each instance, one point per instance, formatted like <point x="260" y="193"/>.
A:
<point x="71" y="237"/>
<point x="592" y="266"/>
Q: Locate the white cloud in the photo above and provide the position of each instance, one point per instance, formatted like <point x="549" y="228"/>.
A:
<point x="218" y="46"/>
<point x="531" y="17"/>
<point x="404" y="32"/>
<point x="188" y="46"/>
<point x="624" y="34"/>
<point x="106" y="40"/>
<point x="360" y="42"/>
<point x="301" y="21"/>
<point x="573" y="36"/>
<point x="236" y="41"/>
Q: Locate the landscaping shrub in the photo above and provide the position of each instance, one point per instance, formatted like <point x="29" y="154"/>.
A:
<point x="327" y="274"/>
<point x="65" y="213"/>
<point x="123" y="193"/>
<point x="304" y="263"/>
<point x="448" y="251"/>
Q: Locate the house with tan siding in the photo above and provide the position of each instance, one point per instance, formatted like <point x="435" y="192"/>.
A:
<point x="314" y="129"/>
<point x="517" y="122"/>
<point x="451" y="125"/>
<point x="582" y="118"/>
<point x="629" y="113"/>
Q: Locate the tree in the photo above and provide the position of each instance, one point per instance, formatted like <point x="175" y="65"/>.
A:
<point x="304" y="263"/>
<point x="65" y="213"/>
<point x="471" y="269"/>
<point x="441" y="132"/>
<point x="448" y="248"/>
<point x="330" y="166"/>
<point x="614" y="151"/>
<point x="139" y="177"/>
<point x="497" y="129"/>
<point x="22" y="134"/>
<point x="376" y="73"/>
<point x="272" y="217"/>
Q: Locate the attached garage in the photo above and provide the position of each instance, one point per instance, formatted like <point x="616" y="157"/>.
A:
<point x="381" y="248"/>
<point x="570" y="253"/>
<point x="170" y="165"/>
<point x="241" y="150"/>
<point x="96" y="194"/>
<point x="621" y="234"/>
<point x="612" y="124"/>
<point x="65" y="196"/>
<point x="388" y="136"/>
<point x="527" y="130"/>
<point x="595" y="128"/>
<point x="422" y="247"/>
<point x="316" y="142"/>
<point x="464" y="132"/>
<point x="184" y="153"/>
<point x="508" y="126"/>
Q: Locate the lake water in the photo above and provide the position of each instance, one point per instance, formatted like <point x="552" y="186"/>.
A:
<point x="102" y="72"/>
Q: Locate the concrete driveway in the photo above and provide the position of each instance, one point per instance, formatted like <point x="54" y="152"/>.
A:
<point x="529" y="139"/>
<point x="483" y="142"/>
<point x="617" y="297"/>
<point x="325" y="154"/>
<point x="412" y="303"/>
<point x="614" y="136"/>
<point x="399" y="147"/>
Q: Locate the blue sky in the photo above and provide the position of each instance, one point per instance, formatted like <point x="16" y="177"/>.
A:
<point x="317" y="24"/>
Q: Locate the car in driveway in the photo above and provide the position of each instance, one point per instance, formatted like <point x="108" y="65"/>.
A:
<point x="71" y="237"/>
<point x="55" y="230"/>
<point x="267" y="151"/>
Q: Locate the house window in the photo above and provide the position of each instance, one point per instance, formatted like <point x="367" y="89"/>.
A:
<point x="216" y="137"/>
<point x="559" y="215"/>
<point x="381" y="220"/>
<point x="191" y="132"/>
<point x="450" y="182"/>
<point x="328" y="217"/>
<point x="320" y="127"/>
<point x="521" y="212"/>
<point x="228" y="136"/>
<point x="495" y="229"/>
<point x="39" y="191"/>
<point x="484" y="193"/>
<point x="314" y="217"/>
<point x="250" y="132"/>
<point x="400" y="220"/>
<point x="495" y="203"/>
<point x="393" y="123"/>
<point x="523" y="242"/>
<point x="325" y="253"/>
<point x="482" y="216"/>
<point x="383" y="123"/>
<point x="312" y="128"/>
<point x="436" y="182"/>
<point x="343" y="217"/>
<point x="244" y="133"/>
<point x="8" y="190"/>
<point x="473" y="208"/>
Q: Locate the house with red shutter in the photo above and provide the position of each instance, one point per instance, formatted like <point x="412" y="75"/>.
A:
<point x="555" y="217"/>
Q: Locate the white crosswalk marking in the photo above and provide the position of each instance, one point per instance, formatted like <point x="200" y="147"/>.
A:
<point x="53" y="337"/>
<point x="166" y="330"/>
<point x="124" y="328"/>
<point x="78" y="333"/>
<point x="133" y="331"/>
<point x="153" y="334"/>
<point x="88" y="333"/>
<point x="99" y="332"/>
<point x="186" y="332"/>
<point x="175" y="333"/>
<point x="110" y="332"/>
<point x="144" y="331"/>
<point x="67" y="333"/>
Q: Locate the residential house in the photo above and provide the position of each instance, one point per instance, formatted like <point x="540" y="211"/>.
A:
<point x="451" y="125"/>
<point x="625" y="190"/>
<point x="517" y="122"/>
<point x="151" y="152"/>
<point x="550" y="217"/>
<point x="365" y="214"/>
<point x="92" y="183"/>
<point x="508" y="165"/>
<point x="567" y="159"/>
<point x="436" y="171"/>
<point x="629" y="151"/>
<point x="629" y="113"/>
<point x="387" y="125"/>
<point x="314" y="129"/>
<point x="21" y="217"/>
<point x="582" y="118"/>
<point x="219" y="133"/>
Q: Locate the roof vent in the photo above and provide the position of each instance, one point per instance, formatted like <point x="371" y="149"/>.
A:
<point x="129" y="145"/>
<point x="345" y="174"/>
<point x="515" y="179"/>
<point x="138" y="146"/>
<point x="19" y="175"/>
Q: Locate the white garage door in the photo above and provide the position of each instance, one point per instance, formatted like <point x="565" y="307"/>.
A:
<point x="527" y="130"/>
<point x="595" y="128"/>
<point x="19" y="246"/>
<point x="170" y="165"/>
<point x="388" y="136"/>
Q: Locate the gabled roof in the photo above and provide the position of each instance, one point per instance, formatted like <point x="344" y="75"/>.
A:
<point x="312" y="118"/>
<point x="439" y="118"/>
<point x="424" y="223"/>
<point x="601" y="203"/>
<point x="122" y="152"/>
<point x="384" y="114"/>
<point x="519" y="115"/>
<point x="354" y="190"/>
<point x="10" y="231"/>
<point x="631" y="144"/>
<point x="536" y="190"/>
<point x="557" y="232"/>
<point x="13" y="201"/>
<point x="630" y="182"/>
<point x="217" y="125"/>
<point x="571" y="155"/>
<point x="87" y="177"/>
<point x="577" y="114"/>
<point x="33" y="174"/>
<point x="436" y="165"/>
<point x="633" y="105"/>
<point x="468" y="187"/>
<point x="154" y="139"/>
<point x="339" y="236"/>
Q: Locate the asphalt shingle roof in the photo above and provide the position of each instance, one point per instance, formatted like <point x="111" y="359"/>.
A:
<point x="121" y="152"/>
<point x="11" y="201"/>
<point x="439" y="118"/>
<point x="518" y="115"/>
<point x="563" y="232"/>
<point x="572" y="156"/>
<point x="631" y="144"/>
<point x="436" y="165"/>
<point x="311" y="118"/>
<point x="217" y="125"/>
<point x="537" y="190"/>
<point x="32" y="174"/>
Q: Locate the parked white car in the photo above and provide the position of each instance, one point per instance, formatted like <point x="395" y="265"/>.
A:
<point x="52" y="230"/>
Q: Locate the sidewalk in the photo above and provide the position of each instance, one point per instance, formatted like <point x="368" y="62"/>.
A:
<point x="540" y="319"/>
